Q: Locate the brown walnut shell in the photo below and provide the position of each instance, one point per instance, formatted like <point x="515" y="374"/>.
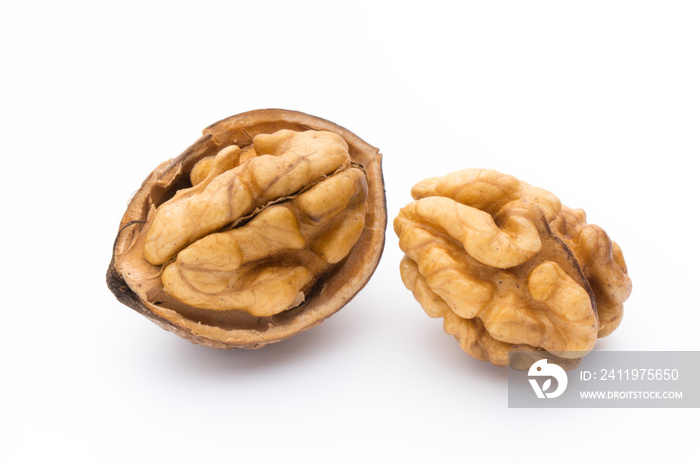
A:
<point x="268" y="224"/>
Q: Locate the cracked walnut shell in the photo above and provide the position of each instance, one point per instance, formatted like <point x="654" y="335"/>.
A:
<point x="508" y="267"/>
<point x="264" y="227"/>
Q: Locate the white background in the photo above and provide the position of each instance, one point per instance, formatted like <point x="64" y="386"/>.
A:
<point x="599" y="102"/>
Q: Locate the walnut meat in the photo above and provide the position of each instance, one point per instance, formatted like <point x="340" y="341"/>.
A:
<point x="264" y="227"/>
<point x="508" y="267"/>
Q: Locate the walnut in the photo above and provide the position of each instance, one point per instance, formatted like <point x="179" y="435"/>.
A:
<point x="508" y="267"/>
<point x="264" y="227"/>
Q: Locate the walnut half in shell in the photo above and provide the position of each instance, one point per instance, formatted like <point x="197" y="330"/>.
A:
<point x="508" y="267"/>
<point x="267" y="225"/>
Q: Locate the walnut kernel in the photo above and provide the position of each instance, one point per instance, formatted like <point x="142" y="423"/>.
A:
<point x="264" y="227"/>
<point x="508" y="267"/>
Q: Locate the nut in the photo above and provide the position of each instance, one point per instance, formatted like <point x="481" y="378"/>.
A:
<point x="264" y="227"/>
<point x="508" y="267"/>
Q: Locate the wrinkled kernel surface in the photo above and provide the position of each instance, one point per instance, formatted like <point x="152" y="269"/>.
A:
<point x="260" y="224"/>
<point x="508" y="267"/>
